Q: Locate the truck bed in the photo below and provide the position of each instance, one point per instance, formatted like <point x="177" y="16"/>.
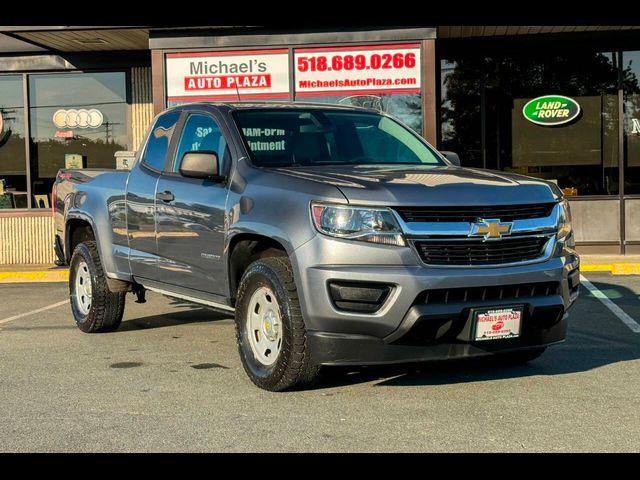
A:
<point x="99" y="185"/>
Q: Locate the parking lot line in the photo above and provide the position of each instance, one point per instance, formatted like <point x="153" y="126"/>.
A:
<point x="33" y="312"/>
<point x="617" y="311"/>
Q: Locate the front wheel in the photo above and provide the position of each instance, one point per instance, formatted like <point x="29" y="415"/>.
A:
<point x="96" y="309"/>
<point x="270" y="331"/>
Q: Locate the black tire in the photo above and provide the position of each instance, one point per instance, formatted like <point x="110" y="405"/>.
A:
<point x="106" y="308"/>
<point x="294" y="368"/>
<point x="520" y="357"/>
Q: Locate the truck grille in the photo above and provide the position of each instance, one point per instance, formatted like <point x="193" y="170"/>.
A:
<point x="506" y="213"/>
<point x="479" y="252"/>
<point x="523" y="291"/>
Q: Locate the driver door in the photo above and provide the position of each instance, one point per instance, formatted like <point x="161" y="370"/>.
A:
<point x="190" y="213"/>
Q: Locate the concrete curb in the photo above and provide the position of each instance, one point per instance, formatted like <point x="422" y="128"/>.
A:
<point x="613" y="268"/>
<point x="62" y="275"/>
<point x="35" y="276"/>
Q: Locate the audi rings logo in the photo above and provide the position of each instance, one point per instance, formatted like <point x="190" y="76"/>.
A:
<point x="78" y="118"/>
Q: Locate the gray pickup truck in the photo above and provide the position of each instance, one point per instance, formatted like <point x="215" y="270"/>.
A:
<point x="337" y="236"/>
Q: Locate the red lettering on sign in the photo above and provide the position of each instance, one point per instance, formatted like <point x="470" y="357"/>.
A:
<point x="226" y="82"/>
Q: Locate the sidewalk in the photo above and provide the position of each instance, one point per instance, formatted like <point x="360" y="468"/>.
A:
<point x="614" y="264"/>
<point x="33" y="273"/>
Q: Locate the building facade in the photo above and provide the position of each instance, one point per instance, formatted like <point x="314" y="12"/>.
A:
<point x="559" y="103"/>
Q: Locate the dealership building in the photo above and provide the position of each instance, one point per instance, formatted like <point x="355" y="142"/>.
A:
<point x="561" y="103"/>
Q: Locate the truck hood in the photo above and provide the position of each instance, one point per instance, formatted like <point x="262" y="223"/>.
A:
<point x="427" y="185"/>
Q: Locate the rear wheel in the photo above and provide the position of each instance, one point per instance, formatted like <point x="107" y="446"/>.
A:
<point x="270" y="331"/>
<point x="95" y="308"/>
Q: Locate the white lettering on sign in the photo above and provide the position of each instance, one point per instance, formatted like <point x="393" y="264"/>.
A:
<point x="335" y="71"/>
<point x="635" y="126"/>
<point x="235" y="75"/>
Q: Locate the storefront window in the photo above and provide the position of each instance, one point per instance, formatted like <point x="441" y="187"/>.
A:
<point x="13" y="173"/>
<point x="580" y="155"/>
<point x="460" y="109"/>
<point x="631" y="85"/>
<point x="384" y="77"/>
<point x="77" y="120"/>
<point x="405" y="107"/>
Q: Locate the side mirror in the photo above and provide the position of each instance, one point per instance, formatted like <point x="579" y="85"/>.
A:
<point x="200" y="165"/>
<point x="452" y="157"/>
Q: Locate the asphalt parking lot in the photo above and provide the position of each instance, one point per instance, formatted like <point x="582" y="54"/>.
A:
<point x="170" y="380"/>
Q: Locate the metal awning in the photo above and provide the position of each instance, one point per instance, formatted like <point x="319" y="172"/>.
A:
<point x="79" y="39"/>
<point x="14" y="39"/>
<point x="494" y="31"/>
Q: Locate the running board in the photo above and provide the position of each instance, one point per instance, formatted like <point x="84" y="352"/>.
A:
<point x="189" y="298"/>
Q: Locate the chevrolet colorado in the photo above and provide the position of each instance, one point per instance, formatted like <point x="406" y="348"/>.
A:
<point x="335" y="234"/>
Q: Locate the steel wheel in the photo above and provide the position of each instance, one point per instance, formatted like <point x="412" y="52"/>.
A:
<point x="82" y="288"/>
<point x="264" y="326"/>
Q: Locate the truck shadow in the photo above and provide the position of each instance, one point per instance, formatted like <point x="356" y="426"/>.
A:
<point x="195" y="314"/>
<point x="596" y="338"/>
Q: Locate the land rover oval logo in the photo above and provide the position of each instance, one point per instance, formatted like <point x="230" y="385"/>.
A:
<point x="551" y="110"/>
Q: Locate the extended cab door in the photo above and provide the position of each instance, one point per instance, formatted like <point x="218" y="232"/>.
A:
<point x="141" y="197"/>
<point x="190" y="213"/>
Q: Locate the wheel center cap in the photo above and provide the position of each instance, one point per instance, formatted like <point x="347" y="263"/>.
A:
<point x="270" y="326"/>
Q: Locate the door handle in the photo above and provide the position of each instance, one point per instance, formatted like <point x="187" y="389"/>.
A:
<point x="165" y="196"/>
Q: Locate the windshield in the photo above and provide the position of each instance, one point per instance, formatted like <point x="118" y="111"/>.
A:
<point x="310" y="137"/>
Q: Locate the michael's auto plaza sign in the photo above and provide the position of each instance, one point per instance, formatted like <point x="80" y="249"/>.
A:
<point x="255" y="74"/>
<point x="265" y="74"/>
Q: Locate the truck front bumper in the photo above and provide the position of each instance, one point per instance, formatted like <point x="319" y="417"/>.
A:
<point x="408" y="326"/>
<point x="342" y="349"/>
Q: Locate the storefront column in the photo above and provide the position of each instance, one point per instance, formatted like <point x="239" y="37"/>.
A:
<point x="429" y="79"/>
<point x="157" y="75"/>
<point x="141" y="104"/>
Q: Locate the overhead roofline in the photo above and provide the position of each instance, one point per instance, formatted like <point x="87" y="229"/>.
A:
<point x="30" y="28"/>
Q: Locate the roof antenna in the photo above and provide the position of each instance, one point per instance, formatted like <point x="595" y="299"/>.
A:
<point x="237" y="90"/>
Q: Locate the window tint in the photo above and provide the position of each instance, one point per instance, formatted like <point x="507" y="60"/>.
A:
<point x="201" y="133"/>
<point x="390" y="141"/>
<point x="156" y="152"/>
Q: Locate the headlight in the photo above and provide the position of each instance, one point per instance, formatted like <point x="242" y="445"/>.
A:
<point x="375" y="225"/>
<point x="564" y="222"/>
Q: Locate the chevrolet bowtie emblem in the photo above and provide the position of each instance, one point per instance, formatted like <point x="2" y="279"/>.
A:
<point x="490" y="229"/>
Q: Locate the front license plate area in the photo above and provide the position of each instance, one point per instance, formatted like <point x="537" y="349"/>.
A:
<point x="497" y="323"/>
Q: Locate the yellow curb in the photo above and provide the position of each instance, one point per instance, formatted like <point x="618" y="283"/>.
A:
<point x="626" y="269"/>
<point x="596" y="268"/>
<point x="613" y="268"/>
<point x="63" y="275"/>
<point x="28" y="277"/>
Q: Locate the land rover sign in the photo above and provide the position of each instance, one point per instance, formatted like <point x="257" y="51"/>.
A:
<point x="551" y="110"/>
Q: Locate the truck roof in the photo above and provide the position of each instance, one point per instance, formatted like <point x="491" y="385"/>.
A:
<point x="278" y="105"/>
